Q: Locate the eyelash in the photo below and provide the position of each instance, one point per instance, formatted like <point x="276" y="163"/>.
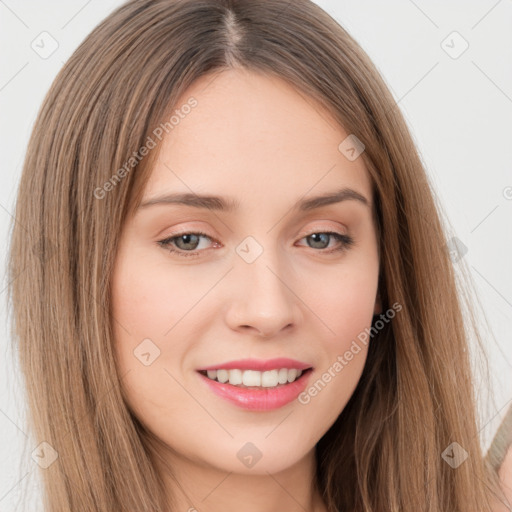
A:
<point x="346" y="242"/>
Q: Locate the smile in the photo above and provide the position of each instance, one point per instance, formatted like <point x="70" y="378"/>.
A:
<point x="257" y="385"/>
<point x="254" y="378"/>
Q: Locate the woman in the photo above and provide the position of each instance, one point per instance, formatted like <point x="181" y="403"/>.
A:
<point x="255" y="367"/>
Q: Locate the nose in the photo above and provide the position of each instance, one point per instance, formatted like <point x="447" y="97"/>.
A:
<point x="263" y="298"/>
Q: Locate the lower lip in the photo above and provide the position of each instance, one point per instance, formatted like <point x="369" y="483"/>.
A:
<point x="263" y="399"/>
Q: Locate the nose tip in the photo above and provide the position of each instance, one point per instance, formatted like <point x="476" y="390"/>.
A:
<point x="265" y="302"/>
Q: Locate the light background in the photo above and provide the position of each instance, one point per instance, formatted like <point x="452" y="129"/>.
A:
<point x="459" y="111"/>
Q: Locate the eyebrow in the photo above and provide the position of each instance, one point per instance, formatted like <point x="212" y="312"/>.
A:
<point x="229" y="205"/>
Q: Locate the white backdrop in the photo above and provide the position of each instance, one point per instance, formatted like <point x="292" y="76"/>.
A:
<point x="448" y="65"/>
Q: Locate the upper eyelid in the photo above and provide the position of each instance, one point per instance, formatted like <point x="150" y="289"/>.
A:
<point x="303" y="234"/>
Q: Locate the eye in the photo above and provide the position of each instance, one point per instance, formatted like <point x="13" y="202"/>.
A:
<point x="183" y="241"/>
<point x="320" y="240"/>
<point x="184" y="244"/>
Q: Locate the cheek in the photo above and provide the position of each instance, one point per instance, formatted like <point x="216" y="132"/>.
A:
<point x="343" y="301"/>
<point x="343" y="356"/>
<point x="329" y="391"/>
<point x="139" y="319"/>
<point x="151" y="302"/>
<point x="345" y="309"/>
<point x="153" y="325"/>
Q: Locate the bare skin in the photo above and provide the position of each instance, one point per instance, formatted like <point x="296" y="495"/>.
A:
<point x="254" y="139"/>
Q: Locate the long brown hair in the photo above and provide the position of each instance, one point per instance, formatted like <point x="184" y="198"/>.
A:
<point x="84" y="174"/>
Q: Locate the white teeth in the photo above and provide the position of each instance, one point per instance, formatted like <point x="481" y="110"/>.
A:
<point x="282" y="376"/>
<point x="269" y="379"/>
<point x="235" y="377"/>
<point x="292" y="374"/>
<point x="222" y="376"/>
<point x="250" y="378"/>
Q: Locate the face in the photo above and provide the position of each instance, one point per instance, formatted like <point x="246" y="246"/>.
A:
<point x="262" y="285"/>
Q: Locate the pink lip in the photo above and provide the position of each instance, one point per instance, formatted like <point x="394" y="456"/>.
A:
<point x="259" y="399"/>
<point x="259" y="364"/>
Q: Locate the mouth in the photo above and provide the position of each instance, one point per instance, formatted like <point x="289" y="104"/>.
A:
<point x="256" y="390"/>
<point x="254" y="379"/>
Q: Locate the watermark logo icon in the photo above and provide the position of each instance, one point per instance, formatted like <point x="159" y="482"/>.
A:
<point x="351" y="147"/>
<point x="454" y="455"/>
<point x="249" y="455"/>
<point x="249" y="249"/>
<point x="44" y="455"/>
<point x="146" y="352"/>
<point x="44" y="250"/>
<point x="456" y="249"/>
<point x="44" y="45"/>
<point x="454" y="45"/>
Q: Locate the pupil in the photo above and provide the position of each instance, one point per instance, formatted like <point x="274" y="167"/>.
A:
<point x="186" y="239"/>
<point x="318" y="235"/>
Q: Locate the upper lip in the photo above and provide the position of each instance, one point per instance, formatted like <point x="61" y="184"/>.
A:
<point x="259" y="364"/>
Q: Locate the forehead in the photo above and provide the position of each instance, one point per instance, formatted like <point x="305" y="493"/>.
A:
<point x="256" y="137"/>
